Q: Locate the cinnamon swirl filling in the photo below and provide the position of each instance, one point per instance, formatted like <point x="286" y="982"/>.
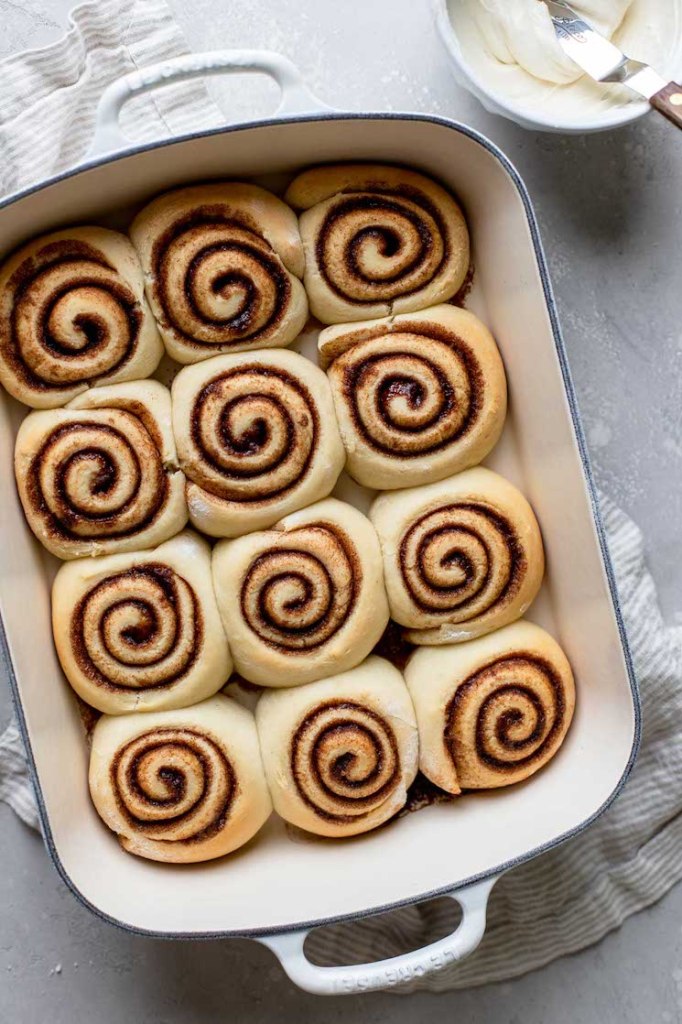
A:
<point x="174" y="785"/>
<point x="411" y="393"/>
<point x="376" y="247"/>
<point x="344" y="761"/>
<point x="101" y="476"/>
<point x="218" y="281"/>
<point x="297" y="597"/>
<point x="254" y="431"/>
<point x="138" y="629"/>
<point x="72" y="315"/>
<point x="461" y="560"/>
<point x="506" y="717"/>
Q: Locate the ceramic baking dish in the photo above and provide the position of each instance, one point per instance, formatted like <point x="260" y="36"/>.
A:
<point x="278" y="888"/>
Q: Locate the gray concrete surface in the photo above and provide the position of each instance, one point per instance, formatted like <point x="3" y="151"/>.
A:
<point x="610" y="212"/>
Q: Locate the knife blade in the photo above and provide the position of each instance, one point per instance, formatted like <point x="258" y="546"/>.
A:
<point x="604" y="62"/>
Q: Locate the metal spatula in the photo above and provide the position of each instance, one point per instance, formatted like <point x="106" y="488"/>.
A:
<point x="604" y="62"/>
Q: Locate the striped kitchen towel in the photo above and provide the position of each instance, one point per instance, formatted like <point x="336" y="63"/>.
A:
<point x="58" y="87"/>
<point x="557" y="904"/>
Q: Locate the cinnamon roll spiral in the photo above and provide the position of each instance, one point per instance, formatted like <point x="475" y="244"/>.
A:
<point x="141" y="631"/>
<point x="73" y="314"/>
<point x="180" y="786"/>
<point x="340" y="753"/>
<point x="304" y="599"/>
<point x="492" y="711"/>
<point x="461" y="557"/>
<point x="100" y="476"/>
<point x="377" y="240"/>
<point x="222" y="263"/>
<point x="417" y="396"/>
<point x="257" y="438"/>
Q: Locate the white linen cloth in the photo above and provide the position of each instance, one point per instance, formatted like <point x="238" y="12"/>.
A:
<point x="554" y="905"/>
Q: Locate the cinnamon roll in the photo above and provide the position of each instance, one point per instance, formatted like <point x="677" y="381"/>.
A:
<point x="304" y="599"/>
<point x="100" y="476"/>
<point x="339" y="754"/>
<point x="222" y="264"/>
<point x="141" y="631"/>
<point x="73" y="314"/>
<point x="492" y="711"/>
<point x="257" y="438"/>
<point x="377" y="240"/>
<point x="180" y="786"/>
<point x="417" y="396"/>
<point x="461" y="557"/>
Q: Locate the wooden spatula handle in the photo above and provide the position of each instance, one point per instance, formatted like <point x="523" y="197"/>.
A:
<point x="669" y="102"/>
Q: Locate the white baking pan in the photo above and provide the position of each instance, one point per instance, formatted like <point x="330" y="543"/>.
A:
<point x="278" y="887"/>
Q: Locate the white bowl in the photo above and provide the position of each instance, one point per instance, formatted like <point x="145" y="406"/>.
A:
<point x="594" y="115"/>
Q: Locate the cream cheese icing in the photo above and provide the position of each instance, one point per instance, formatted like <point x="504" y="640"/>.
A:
<point x="521" y="32"/>
<point x="510" y="47"/>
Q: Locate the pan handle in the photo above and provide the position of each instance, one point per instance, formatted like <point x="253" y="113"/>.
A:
<point x="296" y="97"/>
<point x="356" y="978"/>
